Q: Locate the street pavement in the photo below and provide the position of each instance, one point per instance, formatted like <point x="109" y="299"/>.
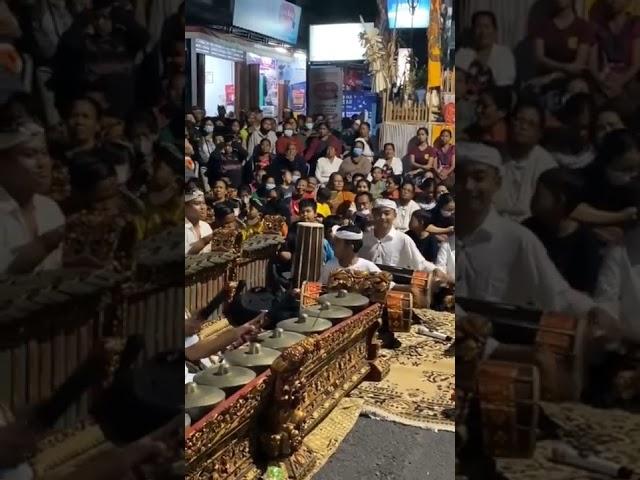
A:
<point x="376" y="449"/>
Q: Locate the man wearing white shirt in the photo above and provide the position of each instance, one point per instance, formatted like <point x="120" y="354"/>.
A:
<point x="525" y="161"/>
<point x="197" y="233"/>
<point x="328" y="165"/>
<point x="446" y="259"/>
<point x="347" y="244"/>
<point x="384" y="245"/>
<point x="31" y="224"/>
<point x="502" y="261"/>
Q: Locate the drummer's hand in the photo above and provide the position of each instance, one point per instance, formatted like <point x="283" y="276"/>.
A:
<point x="17" y="444"/>
<point x="604" y="325"/>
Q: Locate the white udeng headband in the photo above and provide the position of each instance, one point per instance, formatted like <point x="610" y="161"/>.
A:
<point x="386" y="203"/>
<point x="190" y="196"/>
<point x="346" y="235"/>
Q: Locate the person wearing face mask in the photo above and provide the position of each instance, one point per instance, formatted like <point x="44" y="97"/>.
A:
<point x="524" y="162"/>
<point x="289" y="135"/>
<point x="362" y="216"/>
<point x="207" y="143"/>
<point x="264" y="132"/>
<point x="328" y="164"/>
<point x="406" y="206"/>
<point x="356" y="163"/>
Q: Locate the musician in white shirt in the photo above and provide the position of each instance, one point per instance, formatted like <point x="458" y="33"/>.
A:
<point x="347" y="244"/>
<point x="500" y="260"/>
<point x="197" y="233"/>
<point x="384" y="245"/>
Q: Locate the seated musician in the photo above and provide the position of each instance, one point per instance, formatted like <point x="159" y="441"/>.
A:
<point x="196" y="348"/>
<point x="347" y="244"/>
<point x="308" y="213"/>
<point x="197" y="232"/>
<point x="497" y="251"/>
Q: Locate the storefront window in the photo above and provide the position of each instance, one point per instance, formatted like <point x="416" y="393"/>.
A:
<point x="219" y="84"/>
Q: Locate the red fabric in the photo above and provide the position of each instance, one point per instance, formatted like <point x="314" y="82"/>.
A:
<point x="316" y="145"/>
<point x="283" y="143"/>
<point x="562" y="45"/>
<point x="422" y="156"/>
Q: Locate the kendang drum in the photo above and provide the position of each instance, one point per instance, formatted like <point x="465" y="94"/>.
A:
<point x="399" y="311"/>
<point x="307" y="260"/>
<point x="509" y="395"/>
<point x="565" y="337"/>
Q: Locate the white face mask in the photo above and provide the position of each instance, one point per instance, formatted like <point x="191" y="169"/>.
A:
<point x="619" y="179"/>
<point x="288" y="132"/>
<point x="270" y="186"/>
<point x="309" y="126"/>
<point x="446" y="214"/>
<point x="208" y="129"/>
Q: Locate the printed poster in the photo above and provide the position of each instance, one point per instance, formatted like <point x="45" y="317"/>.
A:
<point x="325" y="93"/>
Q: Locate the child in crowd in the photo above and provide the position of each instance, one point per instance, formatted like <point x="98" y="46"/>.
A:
<point x="378" y="184"/>
<point x="393" y="189"/>
<point x="419" y="233"/>
<point x="322" y="197"/>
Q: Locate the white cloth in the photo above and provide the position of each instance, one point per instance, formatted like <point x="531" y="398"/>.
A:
<point x="396" y="166"/>
<point x="396" y="249"/>
<point x="618" y="290"/>
<point x="446" y="259"/>
<point x="480" y="153"/>
<point x="14" y="232"/>
<point x="519" y="181"/>
<point x="360" y="265"/>
<point x="501" y="62"/>
<point x="385" y="203"/>
<point x="502" y="261"/>
<point x="257" y="136"/>
<point x="367" y="152"/>
<point x="400" y="134"/>
<point x="404" y="215"/>
<point x="326" y="167"/>
<point x="191" y="236"/>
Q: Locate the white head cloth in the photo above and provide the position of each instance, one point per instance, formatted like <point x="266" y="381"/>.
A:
<point x="193" y="195"/>
<point x="478" y="152"/>
<point x="347" y="235"/>
<point x="386" y="203"/>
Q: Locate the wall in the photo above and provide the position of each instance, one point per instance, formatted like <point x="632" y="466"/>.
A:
<point x="218" y="74"/>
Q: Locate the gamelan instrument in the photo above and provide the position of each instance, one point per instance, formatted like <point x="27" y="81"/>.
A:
<point x="509" y="395"/>
<point x="343" y="298"/>
<point x="255" y="256"/>
<point x="278" y="339"/>
<point x="328" y="311"/>
<point x="253" y="356"/>
<point x="200" y="399"/>
<point x="562" y="335"/>
<point x="305" y="324"/>
<point x="307" y="260"/>
<point x="224" y="376"/>
<point x="399" y="311"/>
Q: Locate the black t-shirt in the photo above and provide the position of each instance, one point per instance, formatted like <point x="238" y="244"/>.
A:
<point x="601" y="195"/>
<point x="577" y="256"/>
<point x="427" y="246"/>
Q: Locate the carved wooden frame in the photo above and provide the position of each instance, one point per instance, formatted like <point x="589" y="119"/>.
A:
<point x="267" y="420"/>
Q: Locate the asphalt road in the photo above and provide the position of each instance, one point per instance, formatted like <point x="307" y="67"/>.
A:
<point x="376" y="449"/>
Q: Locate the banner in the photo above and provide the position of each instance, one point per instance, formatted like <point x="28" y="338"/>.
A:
<point x="230" y="94"/>
<point x="325" y="94"/>
<point x="434" y="47"/>
<point x="298" y="97"/>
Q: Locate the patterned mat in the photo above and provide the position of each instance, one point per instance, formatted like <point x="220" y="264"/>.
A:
<point x="613" y="435"/>
<point x="418" y="390"/>
<point x="327" y="437"/>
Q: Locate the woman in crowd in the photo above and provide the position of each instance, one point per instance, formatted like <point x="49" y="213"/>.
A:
<point x="227" y="161"/>
<point x="443" y="217"/>
<point x="393" y="188"/>
<point x="487" y="63"/>
<point x="446" y="163"/>
<point x="615" y="58"/>
<point x="262" y="158"/>
<point x="265" y="132"/>
<point x="422" y="156"/>
<point x="339" y="195"/>
<point x="406" y="206"/>
<point x="493" y="108"/>
<point x="298" y="195"/>
<point x="362" y="186"/>
<point x="328" y="164"/>
<point x="428" y="196"/>
<point x="378" y="183"/>
<point x="390" y="164"/>
<point x="318" y="145"/>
